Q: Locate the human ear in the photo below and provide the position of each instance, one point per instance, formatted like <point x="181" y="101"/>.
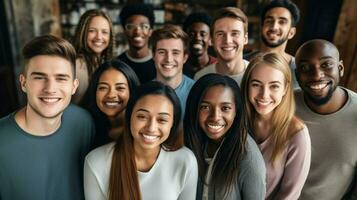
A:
<point x="22" y="80"/>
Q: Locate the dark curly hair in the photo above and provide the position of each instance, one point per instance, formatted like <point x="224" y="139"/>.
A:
<point x="129" y="10"/>
<point x="196" y="17"/>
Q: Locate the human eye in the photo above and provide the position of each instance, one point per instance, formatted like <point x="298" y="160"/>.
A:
<point x="283" y="22"/>
<point x="327" y="64"/>
<point x="275" y="86"/>
<point x="176" y="53"/>
<point x="102" y="87"/>
<point x="130" y="26"/>
<point x="62" y="79"/>
<point x="120" y="88"/>
<point x="145" y="27"/>
<point x="235" y="34"/>
<point x="219" y="34"/>
<point x="304" y="67"/>
<point x="226" y="108"/>
<point x="162" y="120"/>
<point x="268" y="21"/>
<point x="38" y="77"/>
<point x="204" y="107"/>
<point x="91" y="30"/>
<point x="141" y="117"/>
<point x="254" y="84"/>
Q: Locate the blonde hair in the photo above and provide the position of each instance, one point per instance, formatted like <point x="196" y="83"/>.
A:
<point x="284" y="122"/>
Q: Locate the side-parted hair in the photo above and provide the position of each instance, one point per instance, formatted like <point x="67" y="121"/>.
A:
<point x="292" y="7"/>
<point x="283" y="118"/>
<point x="124" y="182"/>
<point x="129" y="10"/>
<point x="169" y="31"/>
<point x="231" y="12"/>
<point x="81" y="45"/>
<point x="49" y="45"/>
<point x="225" y="168"/>
<point x="89" y="101"/>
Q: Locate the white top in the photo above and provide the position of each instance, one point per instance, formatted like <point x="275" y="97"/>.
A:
<point x="211" y="69"/>
<point x="173" y="176"/>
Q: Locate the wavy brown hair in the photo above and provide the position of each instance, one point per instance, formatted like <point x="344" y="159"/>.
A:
<point x="80" y="41"/>
<point x="284" y="122"/>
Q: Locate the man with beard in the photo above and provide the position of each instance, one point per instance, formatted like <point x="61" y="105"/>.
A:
<point x="197" y="26"/>
<point x="229" y="35"/>
<point x="278" y="20"/>
<point x="138" y="21"/>
<point x="330" y="113"/>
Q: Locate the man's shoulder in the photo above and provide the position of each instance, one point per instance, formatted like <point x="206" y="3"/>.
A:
<point x="206" y="70"/>
<point x="7" y="121"/>
<point x="76" y="113"/>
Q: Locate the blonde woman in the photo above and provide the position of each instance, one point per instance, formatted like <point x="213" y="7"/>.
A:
<point x="270" y="113"/>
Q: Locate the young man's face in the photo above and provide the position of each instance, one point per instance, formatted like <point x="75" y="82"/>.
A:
<point x="318" y="71"/>
<point x="49" y="85"/>
<point x="138" y="31"/>
<point x="276" y="28"/>
<point x="229" y="38"/>
<point x="199" y="34"/>
<point x="169" y="57"/>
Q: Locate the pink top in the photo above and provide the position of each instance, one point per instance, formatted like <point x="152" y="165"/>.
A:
<point x="287" y="177"/>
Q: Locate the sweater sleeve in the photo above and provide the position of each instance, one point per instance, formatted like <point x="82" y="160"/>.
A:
<point x="92" y="189"/>
<point x="253" y="177"/>
<point x="296" y="167"/>
<point x="190" y="185"/>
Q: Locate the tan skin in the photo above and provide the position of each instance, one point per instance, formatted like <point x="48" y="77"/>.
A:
<point x="277" y="23"/>
<point x="318" y="63"/>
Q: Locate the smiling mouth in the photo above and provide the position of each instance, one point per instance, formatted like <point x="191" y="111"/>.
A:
<point x="150" y="138"/>
<point x="112" y="104"/>
<point x="50" y="100"/>
<point x="319" y="86"/>
<point x="215" y="128"/>
<point x="263" y="102"/>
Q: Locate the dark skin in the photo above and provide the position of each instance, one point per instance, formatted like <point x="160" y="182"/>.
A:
<point x="318" y="71"/>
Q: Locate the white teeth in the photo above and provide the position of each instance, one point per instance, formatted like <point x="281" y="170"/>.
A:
<point x="262" y="102"/>
<point x="168" y="66"/>
<point x="318" y="86"/>
<point x="150" y="137"/>
<point x="111" y="103"/>
<point x="197" y="46"/>
<point x="228" y="48"/>
<point x="215" y="126"/>
<point x="98" y="44"/>
<point x="50" y="100"/>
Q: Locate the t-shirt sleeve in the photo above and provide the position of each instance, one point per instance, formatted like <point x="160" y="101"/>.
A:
<point x="92" y="189"/>
<point x="296" y="167"/>
<point x="190" y="187"/>
<point x="253" y="177"/>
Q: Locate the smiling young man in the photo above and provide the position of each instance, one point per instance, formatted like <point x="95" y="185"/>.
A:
<point x="229" y="35"/>
<point x="138" y="21"/>
<point x="43" y="145"/>
<point x="170" y="51"/>
<point x="197" y="26"/>
<point x="330" y="113"/>
<point x="278" y="25"/>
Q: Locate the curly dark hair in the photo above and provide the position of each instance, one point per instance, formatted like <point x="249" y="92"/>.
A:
<point x="129" y="10"/>
<point x="292" y="7"/>
<point x="196" y="17"/>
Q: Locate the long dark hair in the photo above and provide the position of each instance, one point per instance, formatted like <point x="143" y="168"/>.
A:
<point x="80" y="41"/>
<point x="225" y="167"/>
<point x="124" y="182"/>
<point x="102" y="122"/>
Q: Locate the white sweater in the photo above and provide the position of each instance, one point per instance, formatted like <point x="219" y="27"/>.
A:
<point x="173" y="176"/>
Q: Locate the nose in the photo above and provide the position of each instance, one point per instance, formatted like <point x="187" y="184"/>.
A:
<point x="215" y="114"/>
<point x="112" y="93"/>
<point x="264" y="92"/>
<point x="317" y="73"/>
<point x="50" y="86"/>
<point x="227" y="38"/>
<point x="274" y="25"/>
<point x="168" y="57"/>
<point x="151" y="125"/>
<point x="197" y="36"/>
<point x="98" y="35"/>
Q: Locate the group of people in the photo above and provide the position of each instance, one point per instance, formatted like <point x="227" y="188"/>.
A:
<point x="167" y="120"/>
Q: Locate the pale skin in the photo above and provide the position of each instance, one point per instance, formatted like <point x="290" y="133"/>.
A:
<point x="49" y="85"/>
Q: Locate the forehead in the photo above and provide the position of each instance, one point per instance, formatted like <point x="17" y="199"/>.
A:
<point x="137" y="19"/>
<point x="154" y="103"/>
<point x="50" y="65"/>
<point x="317" y="50"/>
<point x="170" y="44"/>
<point x="278" y="12"/>
<point x="266" y="73"/>
<point x="112" y="73"/>
<point x="99" y="21"/>
<point x="218" y="93"/>
<point x="228" y="24"/>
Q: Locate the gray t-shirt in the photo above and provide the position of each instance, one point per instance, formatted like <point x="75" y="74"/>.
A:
<point x="45" y="167"/>
<point x="333" y="149"/>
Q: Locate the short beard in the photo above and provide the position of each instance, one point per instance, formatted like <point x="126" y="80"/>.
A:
<point x="273" y="45"/>
<point x="321" y="101"/>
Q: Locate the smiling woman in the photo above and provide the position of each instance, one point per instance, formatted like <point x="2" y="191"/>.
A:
<point x="93" y="41"/>
<point x="149" y="156"/>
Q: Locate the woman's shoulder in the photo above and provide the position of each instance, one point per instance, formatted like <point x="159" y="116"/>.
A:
<point x="101" y="156"/>
<point x="297" y="129"/>
<point x="182" y="155"/>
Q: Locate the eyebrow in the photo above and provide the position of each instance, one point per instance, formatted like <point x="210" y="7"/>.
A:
<point x="105" y="83"/>
<point x="225" y="102"/>
<point x="44" y="74"/>
<point x="147" y="111"/>
<point x="271" y="82"/>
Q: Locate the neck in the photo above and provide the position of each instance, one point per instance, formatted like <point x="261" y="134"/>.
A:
<point x="34" y="124"/>
<point x="144" y="158"/>
<point x="337" y="101"/>
<point x="173" y="82"/>
<point x="230" y="68"/>
<point x="116" y="125"/>
<point x="212" y="147"/>
<point x="200" y="61"/>
<point x="262" y="128"/>
<point x="279" y="50"/>
<point x="139" y="53"/>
